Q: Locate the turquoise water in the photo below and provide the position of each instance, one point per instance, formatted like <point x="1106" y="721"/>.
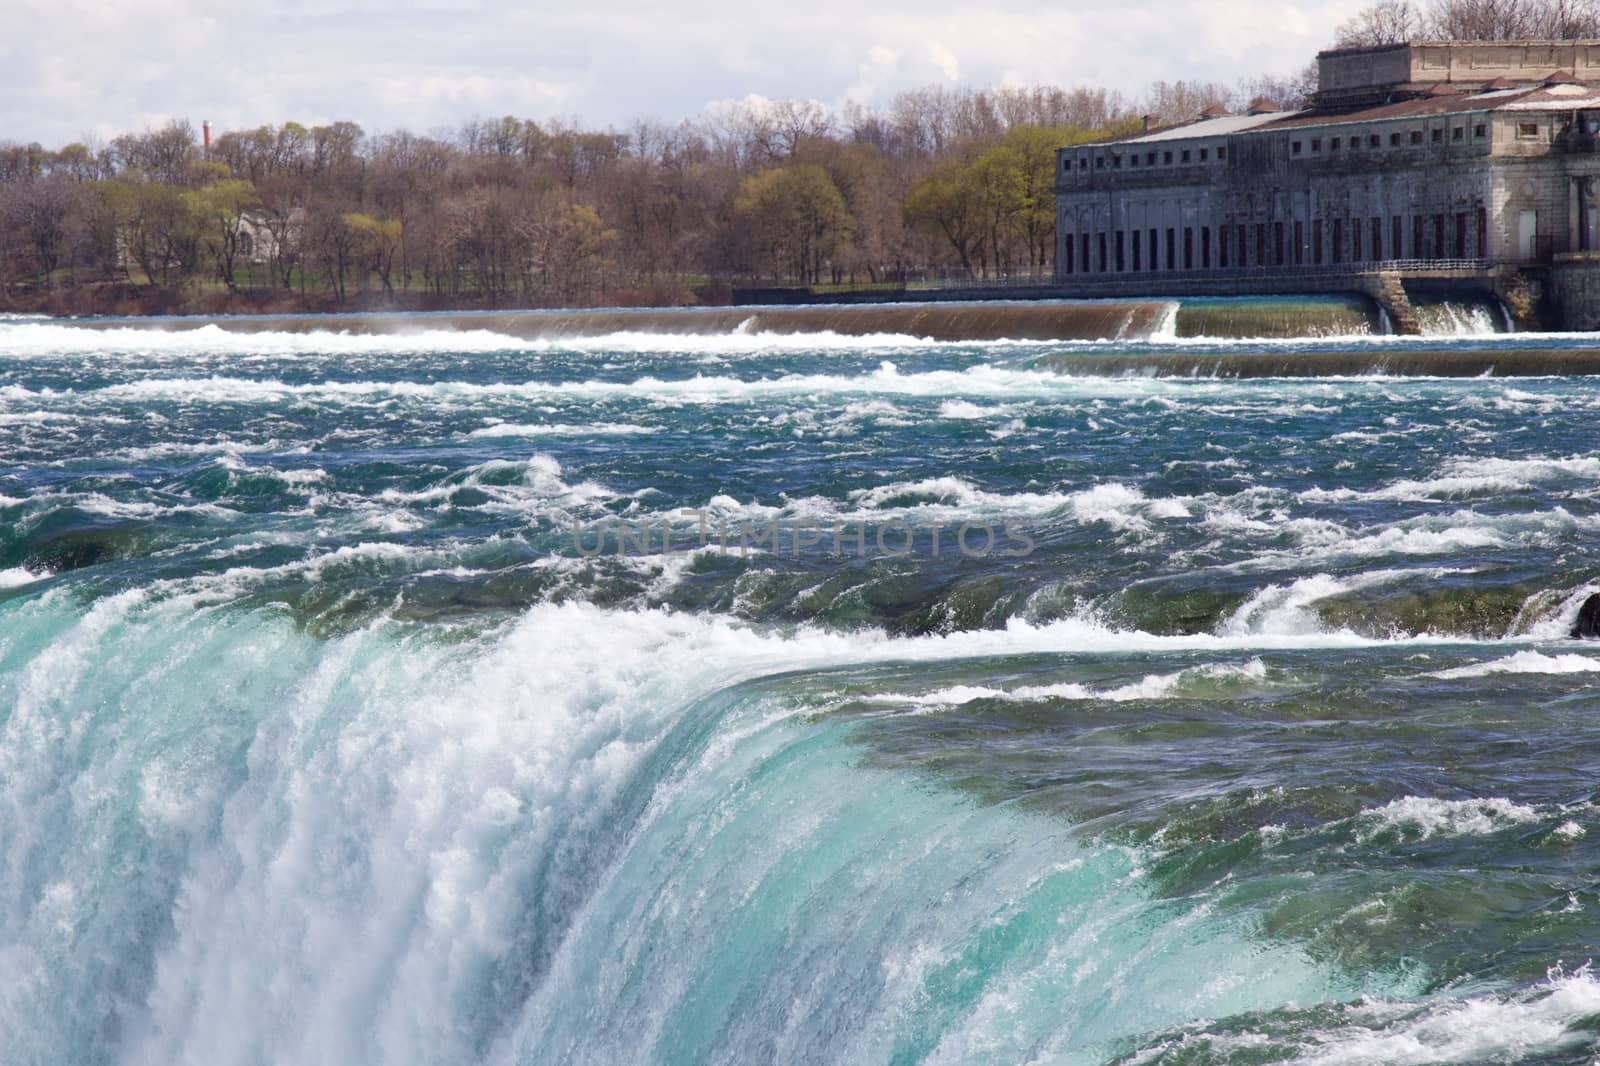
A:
<point x="446" y="697"/>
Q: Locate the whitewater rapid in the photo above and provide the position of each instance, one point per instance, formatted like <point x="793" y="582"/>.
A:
<point x="323" y="740"/>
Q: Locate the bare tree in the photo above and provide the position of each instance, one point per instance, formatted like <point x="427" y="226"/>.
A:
<point x="1386" y="22"/>
<point x="1395" y="21"/>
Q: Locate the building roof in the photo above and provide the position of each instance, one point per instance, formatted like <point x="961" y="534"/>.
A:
<point x="1208" y="127"/>
<point x="1563" y="96"/>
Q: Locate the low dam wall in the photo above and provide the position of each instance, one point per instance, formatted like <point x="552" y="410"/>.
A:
<point x="1129" y="320"/>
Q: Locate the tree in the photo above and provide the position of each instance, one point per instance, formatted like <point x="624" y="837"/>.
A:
<point x="219" y="211"/>
<point x="40" y="213"/>
<point x="1396" y="21"/>
<point x="798" y="219"/>
<point x="377" y="241"/>
<point x="1387" y="22"/>
<point x="948" y="203"/>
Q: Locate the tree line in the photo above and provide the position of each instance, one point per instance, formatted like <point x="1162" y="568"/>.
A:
<point x="941" y="182"/>
<point x="1395" y="21"/>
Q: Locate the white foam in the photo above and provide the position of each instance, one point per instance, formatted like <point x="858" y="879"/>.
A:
<point x="1525" y="662"/>
<point x="1426" y="817"/>
<point x="1290" y="608"/>
<point x="18" y="576"/>
<point x="983" y="381"/>
<point x="49" y="339"/>
<point x="562" y="429"/>
<point x="1152" y="687"/>
<point x="1504" y="1028"/>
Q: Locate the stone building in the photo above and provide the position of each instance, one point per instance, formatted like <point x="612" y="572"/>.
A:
<point x="1482" y="152"/>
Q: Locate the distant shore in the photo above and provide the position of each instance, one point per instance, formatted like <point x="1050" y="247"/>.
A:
<point x="127" y="300"/>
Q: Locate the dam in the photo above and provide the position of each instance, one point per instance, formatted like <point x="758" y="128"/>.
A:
<point x="1206" y="337"/>
<point x="1152" y="320"/>
<point x="1414" y="163"/>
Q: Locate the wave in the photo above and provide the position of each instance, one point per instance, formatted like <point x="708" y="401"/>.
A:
<point x="18" y="576"/>
<point x="1420" y="817"/>
<point x="1542" y="1020"/>
<point x="1153" y="687"/>
<point x="1525" y="662"/>
<point x="563" y="429"/>
<point x="1314" y="361"/>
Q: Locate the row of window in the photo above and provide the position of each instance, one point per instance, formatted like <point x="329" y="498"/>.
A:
<point x="1298" y="148"/>
<point x="1397" y="138"/>
<point x="1164" y="157"/>
<point x="1460" y="235"/>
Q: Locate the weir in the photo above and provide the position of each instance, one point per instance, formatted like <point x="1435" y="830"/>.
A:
<point x="1155" y="319"/>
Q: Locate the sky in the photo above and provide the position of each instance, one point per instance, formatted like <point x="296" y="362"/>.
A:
<point x="81" y="69"/>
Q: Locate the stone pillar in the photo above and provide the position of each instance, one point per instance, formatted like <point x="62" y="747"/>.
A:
<point x="1585" y="238"/>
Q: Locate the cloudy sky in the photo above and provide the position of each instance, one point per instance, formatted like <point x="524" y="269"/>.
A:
<point x="76" y="68"/>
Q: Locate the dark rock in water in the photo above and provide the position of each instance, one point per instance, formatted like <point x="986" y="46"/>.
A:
<point x="75" y="549"/>
<point x="1588" y="624"/>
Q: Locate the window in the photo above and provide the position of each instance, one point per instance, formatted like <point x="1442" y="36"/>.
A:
<point x="1205" y="154"/>
<point x="1438" y="136"/>
<point x="1372" y="141"/>
<point x="1133" y="160"/>
<point x="1295" y="147"/>
<point x="1222" y="153"/>
<point x="1316" y="144"/>
<point x="1186" y="155"/>
<point x="1116" y="162"/>
<point x="1334" y="145"/>
<point x="1150" y="160"/>
<point x="1100" y="162"/>
<point x="1527" y="131"/>
<point x="1458" y="134"/>
<point x="1480" y="131"/>
<point x="1416" y="136"/>
<point x="1083" y="164"/>
<point x="1166" y="157"/>
<point x="1394" y="140"/>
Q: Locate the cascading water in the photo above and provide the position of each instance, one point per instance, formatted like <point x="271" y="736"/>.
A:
<point x="447" y="696"/>
<point x="1462" y="318"/>
<point x="1277" y="317"/>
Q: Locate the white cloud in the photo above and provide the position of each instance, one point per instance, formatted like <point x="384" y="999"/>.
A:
<point x="71" y="67"/>
<point x="946" y="60"/>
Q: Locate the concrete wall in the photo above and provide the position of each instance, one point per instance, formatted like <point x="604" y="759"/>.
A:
<point x="1363" y="69"/>
<point x="1360" y="74"/>
<point x="1574" y="292"/>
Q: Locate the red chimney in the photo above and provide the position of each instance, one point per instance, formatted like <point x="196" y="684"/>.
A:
<point x="205" y="135"/>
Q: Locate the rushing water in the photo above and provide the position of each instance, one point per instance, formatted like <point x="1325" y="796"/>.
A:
<point x="373" y="699"/>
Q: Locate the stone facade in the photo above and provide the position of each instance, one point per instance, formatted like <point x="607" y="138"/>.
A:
<point x="1473" y="170"/>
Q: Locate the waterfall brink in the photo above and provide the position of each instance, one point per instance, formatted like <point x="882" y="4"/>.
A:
<point x="1217" y="318"/>
<point x="1302" y="364"/>
<point x="1086" y="320"/>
